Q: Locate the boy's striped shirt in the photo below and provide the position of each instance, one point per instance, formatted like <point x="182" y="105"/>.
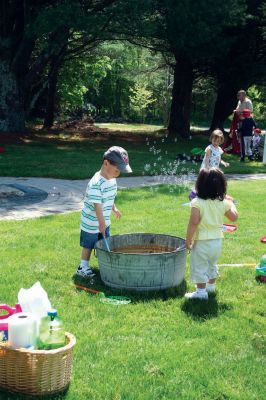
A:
<point x="101" y="191"/>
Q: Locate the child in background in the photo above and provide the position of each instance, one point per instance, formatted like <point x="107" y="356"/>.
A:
<point x="256" y="137"/>
<point x="245" y="132"/>
<point x="98" y="204"/>
<point x="213" y="152"/>
<point x="204" y="232"/>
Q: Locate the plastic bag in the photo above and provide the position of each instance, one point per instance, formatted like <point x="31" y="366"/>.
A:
<point x="34" y="300"/>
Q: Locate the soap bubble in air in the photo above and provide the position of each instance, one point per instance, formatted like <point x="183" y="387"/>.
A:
<point x="54" y="191"/>
<point x="147" y="167"/>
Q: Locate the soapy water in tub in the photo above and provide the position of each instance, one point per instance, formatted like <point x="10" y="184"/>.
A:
<point x="138" y="249"/>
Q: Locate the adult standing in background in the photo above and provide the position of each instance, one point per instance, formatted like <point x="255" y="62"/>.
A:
<point x="244" y="103"/>
<point x="232" y="145"/>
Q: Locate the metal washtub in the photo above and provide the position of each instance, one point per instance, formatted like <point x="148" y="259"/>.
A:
<point x="142" y="261"/>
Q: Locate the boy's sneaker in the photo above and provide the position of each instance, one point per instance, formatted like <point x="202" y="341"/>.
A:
<point x="197" y="295"/>
<point x="86" y="272"/>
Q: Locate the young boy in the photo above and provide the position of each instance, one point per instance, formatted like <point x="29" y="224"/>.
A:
<point x="245" y="132"/>
<point x="98" y="204"/>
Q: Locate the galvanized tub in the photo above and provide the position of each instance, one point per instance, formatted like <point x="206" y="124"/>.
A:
<point x="142" y="261"/>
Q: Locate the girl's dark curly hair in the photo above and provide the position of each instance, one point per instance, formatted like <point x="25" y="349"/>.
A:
<point x="211" y="184"/>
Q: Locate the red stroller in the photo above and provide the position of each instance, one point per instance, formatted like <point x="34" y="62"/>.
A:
<point x="232" y="144"/>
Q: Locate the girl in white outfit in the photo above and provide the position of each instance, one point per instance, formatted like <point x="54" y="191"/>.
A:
<point x="213" y="152"/>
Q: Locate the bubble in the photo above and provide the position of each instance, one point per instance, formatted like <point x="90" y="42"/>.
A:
<point x="175" y="140"/>
<point x="147" y="167"/>
<point x="162" y="140"/>
<point x="54" y="191"/>
<point x="40" y="267"/>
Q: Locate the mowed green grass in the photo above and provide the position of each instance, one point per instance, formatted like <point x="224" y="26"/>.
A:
<point x="75" y="157"/>
<point x="130" y="127"/>
<point x="160" y="346"/>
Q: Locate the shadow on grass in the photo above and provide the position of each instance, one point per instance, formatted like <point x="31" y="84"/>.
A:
<point x="4" y="395"/>
<point x="202" y="310"/>
<point x="96" y="286"/>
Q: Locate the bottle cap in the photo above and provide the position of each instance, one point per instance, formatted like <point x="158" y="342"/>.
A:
<point x="52" y="312"/>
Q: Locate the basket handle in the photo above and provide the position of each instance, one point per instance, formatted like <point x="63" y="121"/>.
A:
<point x="10" y="310"/>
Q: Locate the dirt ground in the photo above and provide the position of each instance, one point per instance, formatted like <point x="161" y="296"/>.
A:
<point x="72" y="130"/>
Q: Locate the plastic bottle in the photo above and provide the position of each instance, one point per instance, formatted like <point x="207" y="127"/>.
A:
<point x="51" y="332"/>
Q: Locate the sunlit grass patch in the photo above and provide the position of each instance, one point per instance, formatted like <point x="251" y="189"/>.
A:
<point x="129" y="127"/>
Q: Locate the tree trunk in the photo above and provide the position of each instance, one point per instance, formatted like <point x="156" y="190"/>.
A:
<point x="179" y="121"/>
<point x="12" y="115"/>
<point x="51" y="95"/>
<point x="225" y="104"/>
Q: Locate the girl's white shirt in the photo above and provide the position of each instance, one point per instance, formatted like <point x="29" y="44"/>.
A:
<point x="215" y="157"/>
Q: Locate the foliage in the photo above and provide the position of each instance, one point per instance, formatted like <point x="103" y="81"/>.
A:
<point x="258" y="100"/>
<point x="77" y="77"/>
<point x="203" y="99"/>
<point x="38" y="39"/>
<point x="193" y="29"/>
<point x="130" y="65"/>
<point x="35" y="38"/>
<point x="140" y="99"/>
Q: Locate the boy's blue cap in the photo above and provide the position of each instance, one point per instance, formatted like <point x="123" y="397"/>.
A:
<point x="119" y="157"/>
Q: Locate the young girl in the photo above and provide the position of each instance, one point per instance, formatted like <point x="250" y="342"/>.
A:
<point x="204" y="231"/>
<point x="213" y="152"/>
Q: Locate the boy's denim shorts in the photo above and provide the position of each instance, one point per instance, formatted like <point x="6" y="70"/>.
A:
<point x="88" y="240"/>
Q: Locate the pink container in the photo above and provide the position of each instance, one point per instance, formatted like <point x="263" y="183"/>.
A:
<point x="3" y="318"/>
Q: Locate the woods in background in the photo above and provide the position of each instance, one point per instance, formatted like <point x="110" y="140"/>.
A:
<point x="164" y="61"/>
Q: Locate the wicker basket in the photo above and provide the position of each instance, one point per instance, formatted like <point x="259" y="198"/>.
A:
<point x="36" y="372"/>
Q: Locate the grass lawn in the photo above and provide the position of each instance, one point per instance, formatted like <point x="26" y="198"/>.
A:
<point x="160" y="346"/>
<point x="130" y="127"/>
<point x="78" y="156"/>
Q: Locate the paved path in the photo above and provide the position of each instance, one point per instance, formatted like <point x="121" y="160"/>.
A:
<point x="56" y="196"/>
